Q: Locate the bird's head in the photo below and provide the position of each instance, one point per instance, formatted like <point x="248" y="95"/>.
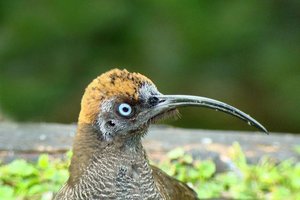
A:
<point x="121" y="104"/>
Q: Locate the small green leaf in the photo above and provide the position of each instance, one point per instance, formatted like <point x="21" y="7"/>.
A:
<point x="206" y="169"/>
<point x="281" y="192"/>
<point x="36" y="189"/>
<point x="187" y="159"/>
<point x="20" y="168"/>
<point x="228" y="179"/>
<point x="60" y="176"/>
<point x="175" y="153"/>
<point x="6" y="192"/>
<point x="43" y="161"/>
<point x="193" y="175"/>
<point x="238" y="155"/>
<point x="69" y="154"/>
<point x="209" y="190"/>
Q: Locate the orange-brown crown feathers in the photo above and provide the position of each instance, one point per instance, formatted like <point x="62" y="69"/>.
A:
<point x="112" y="83"/>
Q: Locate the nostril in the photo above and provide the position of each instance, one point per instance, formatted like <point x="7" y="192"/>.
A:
<point x="111" y="123"/>
<point x="153" y="101"/>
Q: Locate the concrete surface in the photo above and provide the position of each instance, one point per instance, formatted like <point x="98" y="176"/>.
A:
<point x="30" y="139"/>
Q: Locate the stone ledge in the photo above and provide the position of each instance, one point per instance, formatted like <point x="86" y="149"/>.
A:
<point x="30" y="139"/>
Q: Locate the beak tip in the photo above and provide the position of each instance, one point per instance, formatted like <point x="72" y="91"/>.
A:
<point x="258" y="126"/>
<point x="263" y="129"/>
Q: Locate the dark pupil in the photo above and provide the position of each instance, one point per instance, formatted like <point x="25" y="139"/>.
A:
<point x="125" y="109"/>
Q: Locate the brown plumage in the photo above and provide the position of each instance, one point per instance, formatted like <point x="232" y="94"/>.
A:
<point x="109" y="161"/>
<point x="170" y="188"/>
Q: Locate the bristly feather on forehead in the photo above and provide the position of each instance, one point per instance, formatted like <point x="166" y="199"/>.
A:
<point x="112" y="83"/>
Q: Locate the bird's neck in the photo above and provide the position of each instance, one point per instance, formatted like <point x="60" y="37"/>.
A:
<point x="99" y="169"/>
<point x="90" y="149"/>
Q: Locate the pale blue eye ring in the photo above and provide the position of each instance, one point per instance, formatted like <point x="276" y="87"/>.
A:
<point x="125" y="109"/>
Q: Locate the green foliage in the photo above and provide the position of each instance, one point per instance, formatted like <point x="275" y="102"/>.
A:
<point x="266" y="180"/>
<point x="23" y="180"/>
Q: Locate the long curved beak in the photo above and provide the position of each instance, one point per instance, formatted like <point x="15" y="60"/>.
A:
<point x="169" y="102"/>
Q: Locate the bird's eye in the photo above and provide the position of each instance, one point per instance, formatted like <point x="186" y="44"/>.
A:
<point x="125" y="109"/>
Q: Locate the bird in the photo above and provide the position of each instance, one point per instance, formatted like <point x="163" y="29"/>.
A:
<point x="109" y="160"/>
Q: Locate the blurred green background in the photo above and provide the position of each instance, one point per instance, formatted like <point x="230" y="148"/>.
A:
<point x="245" y="53"/>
